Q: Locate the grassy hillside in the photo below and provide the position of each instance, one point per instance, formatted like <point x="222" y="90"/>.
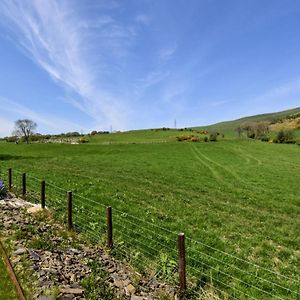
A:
<point x="229" y="127"/>
<point x="136" y="136"/>
<point x="238" y="196"/>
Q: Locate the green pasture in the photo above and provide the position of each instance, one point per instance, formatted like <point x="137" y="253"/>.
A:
<point x="7" y="290"/>
<point x="235" y="196"/>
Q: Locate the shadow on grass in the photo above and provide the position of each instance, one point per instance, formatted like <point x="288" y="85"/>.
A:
<point x="17" y="157"/>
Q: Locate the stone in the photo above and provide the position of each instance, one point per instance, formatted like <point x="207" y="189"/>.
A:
<point x="118" y="283"/>
<point x="44" y="298"/>
<point x="75" y="285"/>
<point x="15" y="260"/>
<point x="134" y="297"/>
<point x="33" y="255"/>
<point x="66" y="265"/>
<point x="130" y="289"/>
<point x="111" y="270"/>
<point x="45" y="283"/>
<point x="74" y="291"/>
<point x="35" y="210"/>
<point x="67" y="297"/>
<point x="20" y="251"/>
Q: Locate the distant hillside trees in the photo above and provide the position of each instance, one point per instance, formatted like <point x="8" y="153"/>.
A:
<point x="285" y="137"/>
<point x="253" y="130"/>
<point x="24" y="129"/>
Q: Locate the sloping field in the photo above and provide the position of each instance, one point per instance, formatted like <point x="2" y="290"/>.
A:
<point x="229" y="127"/>
<point x="236" y="197"/>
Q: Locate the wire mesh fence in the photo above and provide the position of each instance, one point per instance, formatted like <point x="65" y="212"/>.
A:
<point x="153" y="250"/>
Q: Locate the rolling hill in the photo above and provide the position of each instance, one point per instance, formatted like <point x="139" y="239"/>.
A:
<point x="274" y="118"/>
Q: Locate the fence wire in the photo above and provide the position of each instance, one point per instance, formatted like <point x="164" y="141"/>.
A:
<point x="152" y="249"/>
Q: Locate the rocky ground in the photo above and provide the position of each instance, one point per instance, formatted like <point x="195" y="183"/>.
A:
<point x="53" y="263"/>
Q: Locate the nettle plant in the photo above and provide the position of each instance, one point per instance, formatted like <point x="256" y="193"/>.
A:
<point x="2" y="190"/>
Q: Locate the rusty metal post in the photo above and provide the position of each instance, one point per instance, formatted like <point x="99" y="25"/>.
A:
<point x="24" y="185"/>
<point x="43" y="194"/>
<point x="181" y="256"/>
<point x="70" y="219"/>
<point x="9" y="178"/>
<point x="11" y="273"/>
<point x="109" y="227"/>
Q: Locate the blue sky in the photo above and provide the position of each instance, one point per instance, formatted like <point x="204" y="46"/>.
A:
<point x="84" y="65"/>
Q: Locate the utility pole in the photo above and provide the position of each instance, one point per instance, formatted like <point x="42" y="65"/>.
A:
<point x="175" y="125"/>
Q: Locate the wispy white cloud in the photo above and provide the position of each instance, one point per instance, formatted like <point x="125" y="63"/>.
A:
<point x="54" y="36"/>
<point x="6" y="126"/>
<point x="143" y="19"/>
<point x="151" y="79"/>
<point x="14" y="110"/>
<point x="168" y="52"/>
<point x="217" y="103"/>
<point x="280" y="91"/>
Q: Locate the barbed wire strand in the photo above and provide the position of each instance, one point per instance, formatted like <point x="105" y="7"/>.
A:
<point x="240" y="280"/>
<point x="240" y="259"/>
<point x="149" y="230"/>
<point x="221" y="282"/>
<point x="214" y="288"/>
<point x="146" y="237"/>
<point x="166" y="230"/>
<point x="239" y="269"/>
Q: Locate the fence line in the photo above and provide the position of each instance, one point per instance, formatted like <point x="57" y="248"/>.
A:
<point x="249" y="284"/>
<point x="153" y="240"/>
<point x="241" y="270"/>
<point x="243" y="260"/>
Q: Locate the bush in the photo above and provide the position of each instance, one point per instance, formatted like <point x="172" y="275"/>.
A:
<point x="184" y="138"/>
<point x="205" y="139"/>
<point x="12" y="139"/>
<point x="213" y="137"/>
<point x="83" y="140"/>
<point x="265" y="139"/>
<point x="195" y="139"/>
<point x="285" y="137"/>
<point x="251" y="135"/>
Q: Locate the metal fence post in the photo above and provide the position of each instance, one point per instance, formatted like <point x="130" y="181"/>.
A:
<point x="43" y="194"/>
<point x="181" y="256"/>
<point x="109" y="227"/>
<point x="9" y="178"/>
<point x="70" y="219"/>
<point x="24" y="185"/>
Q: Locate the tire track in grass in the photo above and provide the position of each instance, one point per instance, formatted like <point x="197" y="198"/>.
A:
<point x="245" y="153"/>
<point x="92" y="174"/>
<point x="247" y="184"/>
<point x="232" y="186"/>
<point x="213" y="171"/>
<point x="227" y="170"/>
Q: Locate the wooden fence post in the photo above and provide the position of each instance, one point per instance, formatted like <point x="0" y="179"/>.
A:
<point x="109" y="227"/>
<point x="70" y="219"/>
<point x="181" y="256"/>
<point x="43" y="194"/>
<point x="9" y="178"/>
<point x="24" y="185"/>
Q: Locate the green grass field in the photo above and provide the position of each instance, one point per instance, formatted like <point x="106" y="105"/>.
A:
<point x="237" y="196"/>
<point x="7" y="290"/>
